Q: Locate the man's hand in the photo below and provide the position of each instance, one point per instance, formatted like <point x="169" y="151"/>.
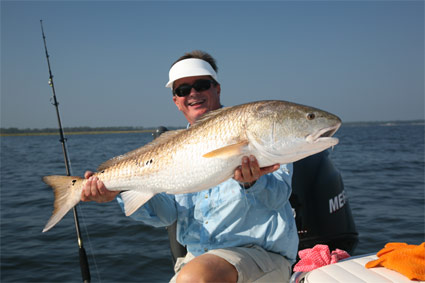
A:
<point x="95" y="190"/>
<point x="250" y="171"/>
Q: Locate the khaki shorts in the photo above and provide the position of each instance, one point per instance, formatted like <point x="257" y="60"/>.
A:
<point x="253" y="263"/>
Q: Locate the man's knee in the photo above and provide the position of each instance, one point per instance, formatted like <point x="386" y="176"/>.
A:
<point x="208" y="268"/>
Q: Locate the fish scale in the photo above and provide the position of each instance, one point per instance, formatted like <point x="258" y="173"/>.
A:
<point x="206" y="154"/>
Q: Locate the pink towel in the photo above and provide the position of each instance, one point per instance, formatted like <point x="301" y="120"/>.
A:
<point x="318" y="256"/>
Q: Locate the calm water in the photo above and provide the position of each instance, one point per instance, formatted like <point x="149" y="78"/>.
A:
<point x="382" y="167"/>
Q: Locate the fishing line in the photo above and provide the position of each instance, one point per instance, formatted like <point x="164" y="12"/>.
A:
<point x="84" y="223"/>
<point x="80" y="208"/>
<point x="84" y="264"/>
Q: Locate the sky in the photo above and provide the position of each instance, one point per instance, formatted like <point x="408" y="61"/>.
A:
<point x="361" y="60"/>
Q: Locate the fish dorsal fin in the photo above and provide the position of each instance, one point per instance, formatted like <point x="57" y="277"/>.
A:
<point x="163" y="138"/>
<point x="227" y="151"/>
<point x="134" y="199"/>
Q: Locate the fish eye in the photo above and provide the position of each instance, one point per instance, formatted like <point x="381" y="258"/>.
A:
<point x="311" y="116"/>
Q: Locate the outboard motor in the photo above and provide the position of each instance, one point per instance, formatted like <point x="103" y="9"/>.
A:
<point x="159" y="131"/>
<point x="322" y="211"/>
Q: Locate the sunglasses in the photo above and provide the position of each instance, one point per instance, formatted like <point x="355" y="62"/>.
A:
<point x="199" y="85"/>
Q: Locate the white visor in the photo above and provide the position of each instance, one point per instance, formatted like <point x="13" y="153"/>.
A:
<point x="190" y="68"/>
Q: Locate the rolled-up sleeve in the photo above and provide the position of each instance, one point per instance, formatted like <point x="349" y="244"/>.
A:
<point x="159" y="211"/>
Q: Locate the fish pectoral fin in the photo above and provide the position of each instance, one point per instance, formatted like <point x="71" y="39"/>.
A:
<point x="227" y="151"/>
<point x="134" y="199"/>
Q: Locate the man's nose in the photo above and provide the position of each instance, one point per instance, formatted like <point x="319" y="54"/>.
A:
<point x="193" y="91"/>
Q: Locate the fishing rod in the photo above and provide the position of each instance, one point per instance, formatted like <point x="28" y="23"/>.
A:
<point x="84" y="264"/>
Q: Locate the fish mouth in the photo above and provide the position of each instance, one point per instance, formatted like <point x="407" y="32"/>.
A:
<point x="324" y="134"/>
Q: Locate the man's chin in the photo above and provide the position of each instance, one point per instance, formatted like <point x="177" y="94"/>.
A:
<point x="198" y="112"/>
<point x="198" y="107"/>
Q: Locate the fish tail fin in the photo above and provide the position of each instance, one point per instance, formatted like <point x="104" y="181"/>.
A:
<point x="67" y="191"/>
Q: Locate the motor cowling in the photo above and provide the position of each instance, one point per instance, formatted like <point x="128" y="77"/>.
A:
<point x="321" y="207"/>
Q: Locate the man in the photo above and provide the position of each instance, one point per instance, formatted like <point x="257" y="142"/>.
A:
<point x="239" y="231"/>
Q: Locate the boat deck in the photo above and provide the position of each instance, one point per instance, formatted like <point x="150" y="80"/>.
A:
<point x="351" y="270"/>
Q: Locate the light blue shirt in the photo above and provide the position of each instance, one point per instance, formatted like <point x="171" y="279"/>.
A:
<point x="228" y="215"/>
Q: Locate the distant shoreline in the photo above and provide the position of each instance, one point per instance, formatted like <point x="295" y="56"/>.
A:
<point x="77" y="131"/>
<point x="74" y="133"/>
<point x="4" y="132"/>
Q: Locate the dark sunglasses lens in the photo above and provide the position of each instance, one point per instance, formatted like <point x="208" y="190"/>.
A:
<point x="199" y="85"/>
<point x="202" y="85"/>
<point x="183" y="90"/>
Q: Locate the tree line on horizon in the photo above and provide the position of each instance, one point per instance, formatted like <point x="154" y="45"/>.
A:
<point x="13" y="130"/>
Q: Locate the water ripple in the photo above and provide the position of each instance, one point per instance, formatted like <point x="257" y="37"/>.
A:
<point x="382" y="169"/>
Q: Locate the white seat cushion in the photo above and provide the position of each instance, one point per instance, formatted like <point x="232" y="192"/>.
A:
<point x="354" y="270"/>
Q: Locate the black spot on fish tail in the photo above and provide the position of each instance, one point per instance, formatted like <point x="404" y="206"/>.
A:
<point x="73" y="182"/>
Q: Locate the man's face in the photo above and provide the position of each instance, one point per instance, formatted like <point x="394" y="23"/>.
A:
<point x="197" y="103"/>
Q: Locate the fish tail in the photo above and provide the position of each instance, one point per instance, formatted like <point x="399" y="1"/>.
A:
<point x="67" y="191"/>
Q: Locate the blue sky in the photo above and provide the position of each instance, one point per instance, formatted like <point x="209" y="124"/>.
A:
<point x="362" y="60"/>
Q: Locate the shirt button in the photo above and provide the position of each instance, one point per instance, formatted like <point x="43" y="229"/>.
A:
<point x="206" y="222"/>
<point x="206" y="196"/>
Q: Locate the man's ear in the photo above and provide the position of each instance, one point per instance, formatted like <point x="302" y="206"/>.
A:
<point x="176" y="102"/>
